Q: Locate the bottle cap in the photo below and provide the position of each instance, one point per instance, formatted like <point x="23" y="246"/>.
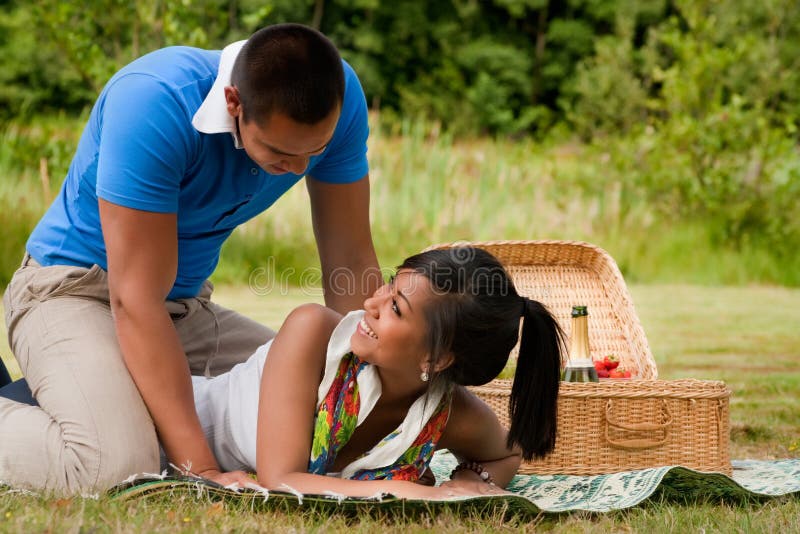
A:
<point x="579" y="311"/>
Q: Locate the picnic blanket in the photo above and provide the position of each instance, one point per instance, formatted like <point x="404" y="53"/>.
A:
<point x="532" y="494"/>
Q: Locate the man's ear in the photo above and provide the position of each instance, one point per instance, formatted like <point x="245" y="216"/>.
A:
<point x="232" y="102"/>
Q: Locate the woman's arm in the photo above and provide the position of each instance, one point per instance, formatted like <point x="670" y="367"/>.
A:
<point x="288" y="394"/>
<point x="287" y="407"/>
<point x="474" y="434"/>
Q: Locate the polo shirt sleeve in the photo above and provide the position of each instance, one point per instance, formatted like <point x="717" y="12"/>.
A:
<point x="144" y="145"/>
<point x="345" y="159"/>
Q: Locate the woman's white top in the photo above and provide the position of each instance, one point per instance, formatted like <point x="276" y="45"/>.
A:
<point x="227" y="406"/>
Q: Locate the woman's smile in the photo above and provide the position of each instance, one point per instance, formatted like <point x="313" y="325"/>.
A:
<point x="364" y="329"/>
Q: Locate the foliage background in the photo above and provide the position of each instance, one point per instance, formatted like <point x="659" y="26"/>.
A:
<point x="615" y="121"/>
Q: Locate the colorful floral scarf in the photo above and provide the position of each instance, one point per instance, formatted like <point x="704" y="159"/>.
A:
<point x="337" y="418"/>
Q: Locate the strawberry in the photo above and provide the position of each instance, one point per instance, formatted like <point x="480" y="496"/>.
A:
<point x="611" y="362"/>
<point x="599" y="365"/>
<point x="602" y="373"/>
<point x="627" y="373"/>
<point x="616" y="373"/>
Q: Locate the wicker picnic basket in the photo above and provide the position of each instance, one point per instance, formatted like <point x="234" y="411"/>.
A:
<point x="613" y="425"/>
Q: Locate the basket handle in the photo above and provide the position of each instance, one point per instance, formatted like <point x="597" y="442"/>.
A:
<point x="637" y="443"/>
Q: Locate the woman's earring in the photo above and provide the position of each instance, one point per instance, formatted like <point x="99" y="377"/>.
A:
<point x="424" y="376"/>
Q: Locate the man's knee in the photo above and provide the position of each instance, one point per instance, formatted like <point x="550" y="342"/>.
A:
<point x="97" y="465"/>
<point x="138" y="454"/>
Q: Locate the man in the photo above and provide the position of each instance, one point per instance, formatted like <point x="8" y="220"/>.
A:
<point x="111" y="309"/>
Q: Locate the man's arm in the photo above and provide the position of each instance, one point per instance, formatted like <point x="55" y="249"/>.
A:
<point x="340" y="215"/>
<point x="142" y="250"/>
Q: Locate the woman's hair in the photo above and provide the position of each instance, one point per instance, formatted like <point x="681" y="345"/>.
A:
<point x="288" y="68"/>
<point x="476" y="315"/>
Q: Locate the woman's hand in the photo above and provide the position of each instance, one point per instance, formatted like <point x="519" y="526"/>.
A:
<point x="469" y="488"/>
<point x="450" y="489"/>
<point x="240" y="478"/>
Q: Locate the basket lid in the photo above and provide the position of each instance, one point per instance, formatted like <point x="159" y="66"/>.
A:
<point x="561" y="274"/>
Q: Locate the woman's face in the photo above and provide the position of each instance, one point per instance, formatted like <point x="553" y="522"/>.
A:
<point x="393" y="332"/>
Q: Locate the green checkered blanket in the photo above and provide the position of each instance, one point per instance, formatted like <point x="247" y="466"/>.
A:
<point x="752" y="479"/>
<point x="601" y="493"/>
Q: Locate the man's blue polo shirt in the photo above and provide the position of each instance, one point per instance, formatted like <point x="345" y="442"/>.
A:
<point x="140" y="150"/>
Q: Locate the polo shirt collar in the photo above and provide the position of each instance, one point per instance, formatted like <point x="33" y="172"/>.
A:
<point x="212" y="117"/>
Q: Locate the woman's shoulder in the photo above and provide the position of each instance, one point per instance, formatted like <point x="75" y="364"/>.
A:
<point x="469" y="416"/>
<point x="313" y="316"/>
<point x="311" y="325"/>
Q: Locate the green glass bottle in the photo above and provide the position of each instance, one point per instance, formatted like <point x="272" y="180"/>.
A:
<point x="580" y="367"/>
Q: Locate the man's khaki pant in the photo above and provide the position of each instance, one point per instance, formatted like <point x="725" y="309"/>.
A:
<point x="91" y="429"/>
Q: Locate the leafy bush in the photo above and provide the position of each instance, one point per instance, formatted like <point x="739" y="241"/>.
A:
<point x="687" y="113"/>
<point x="608" y="96"/>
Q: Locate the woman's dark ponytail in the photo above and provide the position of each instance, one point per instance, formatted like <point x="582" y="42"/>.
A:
<point x="533" y="402"/>
<point x="476" y="317"/>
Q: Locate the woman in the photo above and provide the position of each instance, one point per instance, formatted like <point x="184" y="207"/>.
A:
<point x="368" y="397"/>
<point x="358" y="404"/>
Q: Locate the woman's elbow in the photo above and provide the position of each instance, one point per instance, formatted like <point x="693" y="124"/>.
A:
<point x="516" y="461"/>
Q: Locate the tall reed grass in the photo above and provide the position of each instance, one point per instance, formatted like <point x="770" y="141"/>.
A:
<point x="34" y="158"/>
<point x="429" y="188"/>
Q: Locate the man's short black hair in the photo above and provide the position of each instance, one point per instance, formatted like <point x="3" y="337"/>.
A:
<point x="288" y="68"/>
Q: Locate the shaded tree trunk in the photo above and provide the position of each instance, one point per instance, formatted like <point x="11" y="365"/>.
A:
<point x="233" y="16"/>
<point x="538" y="64"/>
<point x="319" y="9"/>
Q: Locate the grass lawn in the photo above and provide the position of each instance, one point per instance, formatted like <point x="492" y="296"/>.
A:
<point x="747" y="336"/>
